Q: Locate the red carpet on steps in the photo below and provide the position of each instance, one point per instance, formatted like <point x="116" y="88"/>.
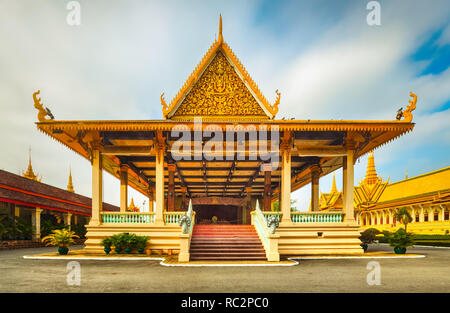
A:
<point x="226" y="242"/>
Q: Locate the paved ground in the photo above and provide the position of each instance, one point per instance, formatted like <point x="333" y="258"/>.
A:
<point x="430" y="274"/>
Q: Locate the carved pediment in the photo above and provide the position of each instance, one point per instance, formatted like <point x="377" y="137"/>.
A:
<point x="220" y="93"/>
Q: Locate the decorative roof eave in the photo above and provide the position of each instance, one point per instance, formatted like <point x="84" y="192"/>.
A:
<point x="85" y="154"/>
<point x="283" y="125"/>
<point x="170" y="109"/>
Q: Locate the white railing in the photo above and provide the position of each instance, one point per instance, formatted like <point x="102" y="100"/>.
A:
<point x="266" y="215"/>
<point x="173" y="217"/>
<point x="317" y="217"/>
<point x="128" y="217"/>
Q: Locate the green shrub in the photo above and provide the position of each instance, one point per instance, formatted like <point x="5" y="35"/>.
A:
<point x="80" y="230"/>
<point x="399" y="239"/>
<point x="369" y="235"/>
<point x="130" y="241"/>
<point x="106" y="242"/>
<point x="118" y="240"/>
<point x="141" y="242"/>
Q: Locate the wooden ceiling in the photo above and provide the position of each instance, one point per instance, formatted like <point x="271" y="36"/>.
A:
<point x="230" y="173"/>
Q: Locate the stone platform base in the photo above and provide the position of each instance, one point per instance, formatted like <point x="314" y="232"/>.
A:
<point x="162" y="238"/>
<point x="319" y="239"/>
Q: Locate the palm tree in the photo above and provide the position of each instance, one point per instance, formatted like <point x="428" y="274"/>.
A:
<point x="403" y="216"/>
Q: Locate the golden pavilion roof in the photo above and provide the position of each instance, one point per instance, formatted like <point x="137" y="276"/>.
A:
<point x="435" y="182"/>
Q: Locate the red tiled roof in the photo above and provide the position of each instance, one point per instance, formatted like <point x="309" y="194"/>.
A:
<point x="21" y="190"/>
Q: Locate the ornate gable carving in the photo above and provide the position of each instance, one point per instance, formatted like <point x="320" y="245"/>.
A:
<point x="220" y="93"/>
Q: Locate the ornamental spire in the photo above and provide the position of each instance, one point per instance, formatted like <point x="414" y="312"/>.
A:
<point x="70" y="185"/>
<point x="371" y="173"/>
<point x="30" y="173"/>
<point x="220" y="29"/>
<point x="333" y="186"/>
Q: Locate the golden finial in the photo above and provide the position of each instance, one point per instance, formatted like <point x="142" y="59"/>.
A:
<point x="132" y="207"/>
<point x="406" y="173"/>
<point x="371" y="173"/>
<point x="220" y="29"/>
<point x="30" y="173"/>
<point x="70" y="185"/>
<point x="333" y="185"/>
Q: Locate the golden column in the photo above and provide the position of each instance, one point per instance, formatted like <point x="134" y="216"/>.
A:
<point x="348" y="181"/>
<point x="267" y="168"/>
<point x="171" y="188"/>
<point x="159" y="150"/>
<point x="123" y="187"/>
<point x="285" y="192"/>
<point x="97" y="184"/>
<point x="315" y="175"/>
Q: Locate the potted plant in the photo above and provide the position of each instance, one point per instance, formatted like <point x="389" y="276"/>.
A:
<point x="403" y="216"/>
<point x="118" y="242"/>
<point x="400" y="240"/>
<point x="106" y="243"/>
<point x="141" y="243"/>
<point x="62" y="238"/>
<point x="130" y="242"/>
<point x="368" y="236"/>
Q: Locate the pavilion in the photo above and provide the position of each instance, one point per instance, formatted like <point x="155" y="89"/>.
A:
<point x="262" y="159"/>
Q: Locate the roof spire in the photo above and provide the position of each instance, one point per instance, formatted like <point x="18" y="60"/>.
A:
<point x="220" y="29"/>
<point x="70" y="185"/>
<point x="30" y="173"/>
<point x="333" y="186"/>
<point x="406" y="173"/>
<point x="371" y="173"/>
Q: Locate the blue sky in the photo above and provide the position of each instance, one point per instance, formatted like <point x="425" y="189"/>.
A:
<point x="322" y="56"/>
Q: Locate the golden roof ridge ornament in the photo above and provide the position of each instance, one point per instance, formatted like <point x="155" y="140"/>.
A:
<point x="42" y="113"/>
<point x="407" y="114"/>
<point x="70" y="185"/>
<point x="169" y="109"/>
<point x="30" y="173"/>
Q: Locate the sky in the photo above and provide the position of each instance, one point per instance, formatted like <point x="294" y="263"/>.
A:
<point x="322" y="56"/>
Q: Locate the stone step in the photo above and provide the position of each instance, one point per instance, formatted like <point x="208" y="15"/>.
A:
<point x="234" y="258"/>
<point x="226" y="242"/>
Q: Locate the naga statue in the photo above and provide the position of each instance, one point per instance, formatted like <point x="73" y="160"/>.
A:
<point x="185" y="223"/>
<point x="407" y="114"/>
<point x="42" y="112"/>
<point x="272" y="223"/>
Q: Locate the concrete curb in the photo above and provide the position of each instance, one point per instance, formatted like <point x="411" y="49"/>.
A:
<point x="420" y="246"/>
<point x="150" y="259"/>
<point x="357" y="257"/>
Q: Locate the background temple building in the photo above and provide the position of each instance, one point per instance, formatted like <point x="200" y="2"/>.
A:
<point x="27" y="198"/>
<point x="426" y="197"/>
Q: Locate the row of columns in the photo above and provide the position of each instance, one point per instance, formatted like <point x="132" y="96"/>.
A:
<point x="285" y="190"/>
<point x="381" y="217"/>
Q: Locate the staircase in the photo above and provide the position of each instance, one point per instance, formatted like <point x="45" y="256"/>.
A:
<point x="226" y="242"/>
